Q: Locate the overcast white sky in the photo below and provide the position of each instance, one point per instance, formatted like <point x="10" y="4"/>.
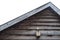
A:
<point x="10" y="9"/>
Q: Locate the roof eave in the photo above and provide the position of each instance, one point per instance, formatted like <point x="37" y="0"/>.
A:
<point x="22" y="17"/>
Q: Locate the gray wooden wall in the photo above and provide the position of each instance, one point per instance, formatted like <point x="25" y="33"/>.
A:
<point x="47" y="21"/>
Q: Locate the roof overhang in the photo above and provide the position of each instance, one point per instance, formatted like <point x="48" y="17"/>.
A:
<point x="22" y="17"/>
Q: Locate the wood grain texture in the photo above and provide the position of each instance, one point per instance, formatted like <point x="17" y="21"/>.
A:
<point x="47" y="21"/>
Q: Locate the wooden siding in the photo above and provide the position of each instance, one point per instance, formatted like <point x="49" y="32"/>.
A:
<point x="47" y="21"/>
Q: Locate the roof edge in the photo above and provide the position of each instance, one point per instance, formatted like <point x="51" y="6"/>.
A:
<point x="57" y="10"/>
<point x="22" y="17"/>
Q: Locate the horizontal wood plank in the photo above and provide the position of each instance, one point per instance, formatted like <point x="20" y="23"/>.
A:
<point x="35" y="27"/>
<point x="44" y="17"/>
<point x="31" y="37"/>
<point x="45" y="20"/>
<point x="45" y="23"/>
<point x="32" y="32"/>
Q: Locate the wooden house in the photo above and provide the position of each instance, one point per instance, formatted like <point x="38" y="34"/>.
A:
<point x="42" y="23"/>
